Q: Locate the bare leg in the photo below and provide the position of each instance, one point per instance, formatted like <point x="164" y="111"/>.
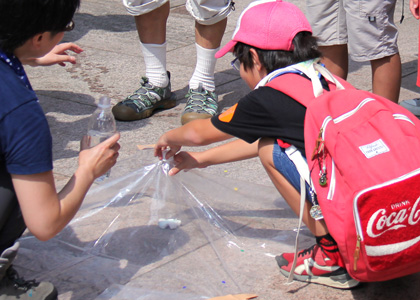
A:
<point x="210" y="36"/>
<point x="151" y="27"/>
<point x="289" y="193"/>
<point x="386" y="77"/>
<point x="336" y="59"/>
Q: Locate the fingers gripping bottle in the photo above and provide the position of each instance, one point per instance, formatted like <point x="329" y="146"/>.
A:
<point x="101" y="126"/>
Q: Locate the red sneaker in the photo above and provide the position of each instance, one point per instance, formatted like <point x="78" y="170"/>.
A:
<point x="316" y="266"/>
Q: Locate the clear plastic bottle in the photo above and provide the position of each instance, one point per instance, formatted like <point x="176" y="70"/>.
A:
<point x="101" y="126"/>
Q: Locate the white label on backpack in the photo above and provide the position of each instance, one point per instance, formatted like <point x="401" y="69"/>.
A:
<point x="375" y="148"/>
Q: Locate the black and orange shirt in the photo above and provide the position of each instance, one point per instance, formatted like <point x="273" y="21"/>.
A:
<point x="264" y="112"/>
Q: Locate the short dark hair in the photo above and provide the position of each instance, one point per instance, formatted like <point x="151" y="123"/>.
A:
<point x="305" y="48"/>
<point x="22" y="19"/>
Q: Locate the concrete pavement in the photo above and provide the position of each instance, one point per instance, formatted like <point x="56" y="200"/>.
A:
<point x="111" y="64"/>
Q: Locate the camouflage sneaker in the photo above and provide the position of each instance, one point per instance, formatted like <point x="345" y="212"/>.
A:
<point x="144" y="101"/>
<point x="13" y="287"/>
<point x="201" y="104"/>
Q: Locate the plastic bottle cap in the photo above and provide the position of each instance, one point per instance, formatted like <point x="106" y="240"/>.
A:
<point x="104" y="101"/>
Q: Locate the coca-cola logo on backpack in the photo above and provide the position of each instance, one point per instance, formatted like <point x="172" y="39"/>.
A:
<point x="389" y="222"/>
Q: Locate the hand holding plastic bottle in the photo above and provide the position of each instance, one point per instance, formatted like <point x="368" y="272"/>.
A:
<point x="99" y="159"/>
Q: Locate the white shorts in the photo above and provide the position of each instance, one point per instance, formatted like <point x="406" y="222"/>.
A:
<point x="366" y="26"/>
<point x="206" y="12"/>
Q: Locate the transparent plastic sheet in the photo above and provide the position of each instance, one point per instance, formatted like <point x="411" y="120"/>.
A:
<point x="227" y="230"/>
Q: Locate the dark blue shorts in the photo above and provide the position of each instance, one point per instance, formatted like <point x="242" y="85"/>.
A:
<point x="288" y="169"/>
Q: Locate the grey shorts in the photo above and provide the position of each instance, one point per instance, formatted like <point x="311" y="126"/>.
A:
<point x="206" y="12"/>
<point x="366" y="26"/>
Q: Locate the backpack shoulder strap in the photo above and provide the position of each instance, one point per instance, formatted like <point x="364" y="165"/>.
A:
<point x="299" y="87"/>
<point x="294" y="86"/>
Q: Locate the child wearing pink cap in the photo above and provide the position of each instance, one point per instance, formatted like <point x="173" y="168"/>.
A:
<point x="270" y="35"/>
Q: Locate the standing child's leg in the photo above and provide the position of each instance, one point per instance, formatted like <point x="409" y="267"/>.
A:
<point x="386" y="77"/>
<point x="201" y="97"/>
<point x="321" y="263"/>
<point x="155" y="87"/>
<point x="336" y="59"/>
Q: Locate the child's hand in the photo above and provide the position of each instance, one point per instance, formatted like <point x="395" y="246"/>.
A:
<point x="184" y="161"/>
<point x="57" y="55"/>
<point x="162" y="145"/>
<point x="99" y="159"/>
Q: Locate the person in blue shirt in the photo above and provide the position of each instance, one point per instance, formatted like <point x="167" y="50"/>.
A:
<point x="29" y="33"/>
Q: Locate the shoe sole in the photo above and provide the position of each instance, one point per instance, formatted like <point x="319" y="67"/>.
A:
<point x="124" y="113"/>
<point x="340" y="281"/>
<point x="188" y="117"/>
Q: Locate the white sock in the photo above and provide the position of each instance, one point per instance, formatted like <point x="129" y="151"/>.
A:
<point x="204" y="69"/>
<point x="155" y="60"/>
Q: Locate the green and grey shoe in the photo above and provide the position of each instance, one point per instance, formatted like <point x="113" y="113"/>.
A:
<point x="144" y="101"/>
<point x="13" y="287"/>
<point x="201" y="104"/>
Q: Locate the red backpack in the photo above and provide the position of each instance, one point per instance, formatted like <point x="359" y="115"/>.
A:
<point x="368" y="150"/>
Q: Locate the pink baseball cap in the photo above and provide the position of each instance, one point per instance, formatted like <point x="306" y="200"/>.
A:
<point x="268" y="25"/>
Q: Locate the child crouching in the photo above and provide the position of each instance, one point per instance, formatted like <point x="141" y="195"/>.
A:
<point x="270" y="35"/>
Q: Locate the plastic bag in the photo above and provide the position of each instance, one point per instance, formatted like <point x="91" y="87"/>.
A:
<point x="118" y="246"/>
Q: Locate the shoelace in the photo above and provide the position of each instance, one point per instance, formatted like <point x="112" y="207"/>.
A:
<point x="307" y="251"/>
<point x="146" y="98"/>
<point x="201" y="100"/>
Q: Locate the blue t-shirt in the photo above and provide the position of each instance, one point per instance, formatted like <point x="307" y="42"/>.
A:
<point x="25" y="138"/>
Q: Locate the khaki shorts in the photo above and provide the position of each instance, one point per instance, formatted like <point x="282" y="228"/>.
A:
<point x="206" y="12"/>
<point x="367" y="26"/>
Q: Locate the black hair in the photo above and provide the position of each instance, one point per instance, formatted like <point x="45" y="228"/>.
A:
<point x="22" y="19"/>
<point x="305" y="48"/>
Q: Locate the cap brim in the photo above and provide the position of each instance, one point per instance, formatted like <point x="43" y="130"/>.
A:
<point x="227" y="48"/>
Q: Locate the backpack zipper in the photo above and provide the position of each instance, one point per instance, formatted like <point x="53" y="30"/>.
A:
<point x="356" y="253"/>
<point x="402" y="117"/>
<point x="353" y="111"/>
<point x="331" y="189"/>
